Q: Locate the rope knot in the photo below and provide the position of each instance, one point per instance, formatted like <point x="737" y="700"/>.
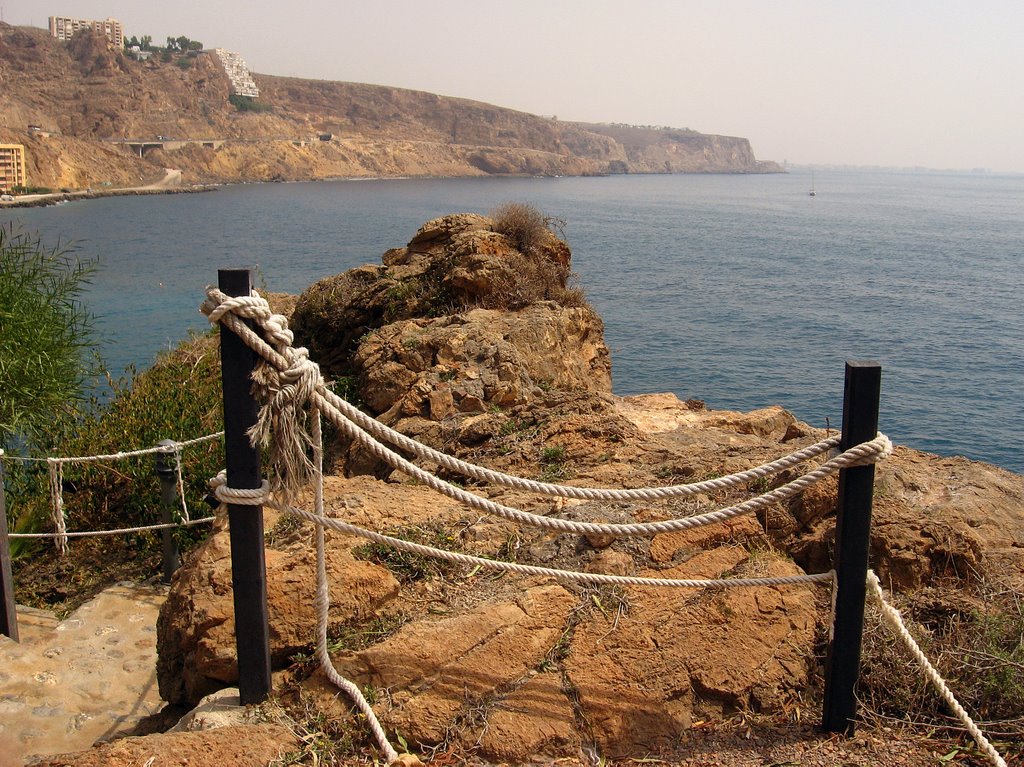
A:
<point x="285" y="381"/>
<point x="239" y="496"/>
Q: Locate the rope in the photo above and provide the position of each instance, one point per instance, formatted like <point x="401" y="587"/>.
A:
<point x="221" y="308"/>
<point x="295" y="363"/>
<point x="874" y="449"/>
<point x="323" y="603"/>
<point x="55" y="467"/>
<point x="382" y="431"/>
<point x="56" y="472"/>
<point x="564" y="575"/>
<point x="892" y="616"/>
<point x="115" y="456"/>
<point x="239" y="496"/>
<point x="119" y="531"/>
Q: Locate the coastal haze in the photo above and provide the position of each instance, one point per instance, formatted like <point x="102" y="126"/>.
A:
<point x="936" y="85"/>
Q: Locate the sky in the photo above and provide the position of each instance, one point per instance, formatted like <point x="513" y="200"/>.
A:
<point x="904" y="83"/>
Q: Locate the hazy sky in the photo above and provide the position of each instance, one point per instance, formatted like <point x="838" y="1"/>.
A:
<point x="933" y="83"/>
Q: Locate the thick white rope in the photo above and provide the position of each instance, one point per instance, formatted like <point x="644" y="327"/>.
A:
<point x="239" y="496"/>
<point x="895" y="621"/>
<point x="563" y="575"/>
<point x="221" y="308"/>
<point x="56" y="474"/>
<point x="323" y="604"/>
<point x="382" y="431"/>
<point x="867" y="451"/>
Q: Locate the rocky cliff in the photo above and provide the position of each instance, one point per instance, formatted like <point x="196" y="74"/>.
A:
<point x="84" y="95"/>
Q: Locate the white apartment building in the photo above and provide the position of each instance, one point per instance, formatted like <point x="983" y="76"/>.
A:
<point x="238" y="73"/>
<point x="64" y="28"/>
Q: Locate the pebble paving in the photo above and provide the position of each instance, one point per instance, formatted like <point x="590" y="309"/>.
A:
<point x="68" y="684"/>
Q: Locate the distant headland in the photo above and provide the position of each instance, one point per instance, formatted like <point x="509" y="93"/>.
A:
<point x="91" y="114"/>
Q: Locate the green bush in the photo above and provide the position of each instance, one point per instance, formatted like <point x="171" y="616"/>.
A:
<point x="178" y="398"/>
<point x="45" y="334"/>
<point x="248" y="104"/>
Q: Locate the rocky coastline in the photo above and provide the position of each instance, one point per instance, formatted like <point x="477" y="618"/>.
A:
<point x="85" y="113"/>
<point x="475" y="339"/>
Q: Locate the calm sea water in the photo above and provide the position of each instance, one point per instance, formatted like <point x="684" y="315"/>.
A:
<point x="743" y="291"/>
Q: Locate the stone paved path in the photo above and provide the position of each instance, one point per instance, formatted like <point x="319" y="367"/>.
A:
<point x="89" y="677"/>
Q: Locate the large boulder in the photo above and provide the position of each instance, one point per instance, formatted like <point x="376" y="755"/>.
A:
<point x="481" y="358"/>
<point x="196" y="627"/>
<point x="452" y="264"/>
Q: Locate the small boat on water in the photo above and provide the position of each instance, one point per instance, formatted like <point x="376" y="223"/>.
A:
<point x="812" y="193"/>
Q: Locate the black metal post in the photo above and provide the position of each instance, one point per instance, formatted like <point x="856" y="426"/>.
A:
<point x="248" y="559"/>
<point x="165" y="469"/>
<point x="853" y="531"/>
<point x="9" y="610"/>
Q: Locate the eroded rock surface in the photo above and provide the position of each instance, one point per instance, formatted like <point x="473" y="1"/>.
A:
<point x="523" y="668"/>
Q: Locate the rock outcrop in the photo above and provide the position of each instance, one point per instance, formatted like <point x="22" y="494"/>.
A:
<point x="441" y="342"/>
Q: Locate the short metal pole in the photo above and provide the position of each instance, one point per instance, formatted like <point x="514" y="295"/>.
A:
<point x="242" y="460"/>
<point x="853" y="532"/>
<point x="166" y="469"/>
<point x="9" y="611"/>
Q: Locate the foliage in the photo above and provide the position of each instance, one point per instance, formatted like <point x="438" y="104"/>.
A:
<point x="248" y="104"/>
<point x="31" y="190"/>
<point x="524" y="225"/>
<point x="45" y="333"/>
<point x="976" y="643"/>
<point x="541" y="271"/>
<point x="178" y="399"/>
<point x="408" y="566"/>
<point x="182" y="44"/>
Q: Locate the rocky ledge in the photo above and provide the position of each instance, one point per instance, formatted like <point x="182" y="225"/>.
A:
<point x="474" y="339"/>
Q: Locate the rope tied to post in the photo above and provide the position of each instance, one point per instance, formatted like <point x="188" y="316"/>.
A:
<point x="239" y="496"/>
<point x="285" y="381"/>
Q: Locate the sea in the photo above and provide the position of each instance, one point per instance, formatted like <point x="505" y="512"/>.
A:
<point x="739" y="290"/>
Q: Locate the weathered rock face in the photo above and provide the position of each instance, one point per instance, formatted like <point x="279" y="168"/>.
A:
<point x="253" y="745"/>
<point x="434" y="368"/>
<point x="506" y="324"/>
<point x="85" y="93"/>
<point x="196" y="628"/>
<point x="520" y="668"/>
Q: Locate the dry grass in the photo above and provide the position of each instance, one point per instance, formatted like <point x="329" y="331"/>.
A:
<point x="539" y="271"/>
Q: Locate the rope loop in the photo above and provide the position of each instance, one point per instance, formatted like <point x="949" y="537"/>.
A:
<point x="239" y="496"/>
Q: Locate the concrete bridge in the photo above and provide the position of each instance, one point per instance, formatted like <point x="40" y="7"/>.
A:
<point x="162" y="142"/>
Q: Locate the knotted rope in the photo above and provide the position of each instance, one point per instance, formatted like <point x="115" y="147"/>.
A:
<point x="290" y="447"/>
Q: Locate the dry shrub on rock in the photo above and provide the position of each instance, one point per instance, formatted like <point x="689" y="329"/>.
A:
<point x="539" y="269"/>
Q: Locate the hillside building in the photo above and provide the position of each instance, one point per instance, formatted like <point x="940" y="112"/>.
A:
<point x="238" y="73"/>
<point x="12" y="167"/>
<point x="64" y="28"/>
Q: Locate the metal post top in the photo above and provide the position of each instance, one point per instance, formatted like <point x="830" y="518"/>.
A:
<point x="164" y="462"/>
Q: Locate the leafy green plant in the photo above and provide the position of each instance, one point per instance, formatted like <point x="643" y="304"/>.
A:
<point x="178" y="399"/>
<point x="45" y="334"/>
